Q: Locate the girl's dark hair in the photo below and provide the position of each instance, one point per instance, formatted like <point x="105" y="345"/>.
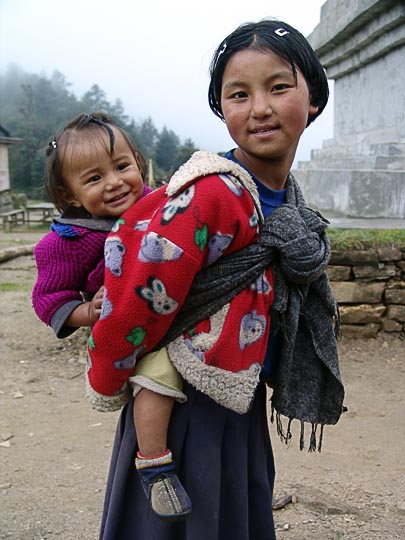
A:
<point x="55" y="151"/>
<point x="283" y="40"/>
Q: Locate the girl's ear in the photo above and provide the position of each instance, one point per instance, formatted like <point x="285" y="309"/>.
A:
<point x="68" y="197"/>
<point x="313" y="109"/>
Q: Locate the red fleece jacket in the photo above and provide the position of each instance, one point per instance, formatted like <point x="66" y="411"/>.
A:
<point x="151" y="260"/>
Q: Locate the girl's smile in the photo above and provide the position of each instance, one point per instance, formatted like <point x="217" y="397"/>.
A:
<point x="265" y="108"/>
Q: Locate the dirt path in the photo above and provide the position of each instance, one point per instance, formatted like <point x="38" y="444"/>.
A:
<point x="54" y="450"/>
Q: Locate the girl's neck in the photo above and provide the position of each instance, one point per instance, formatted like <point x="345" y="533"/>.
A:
<point x="272" y="173"/>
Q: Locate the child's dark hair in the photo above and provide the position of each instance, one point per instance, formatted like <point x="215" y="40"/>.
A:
<point x="56" y="150"/>
<point x="283" y="40"/>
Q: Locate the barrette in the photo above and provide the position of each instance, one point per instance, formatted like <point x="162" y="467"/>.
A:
<point x="52" y="144"/>
<point x="281" y="32"/>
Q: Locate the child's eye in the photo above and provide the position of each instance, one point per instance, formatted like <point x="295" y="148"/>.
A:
<point x="122" y="166"/>
<point x="93" y="179"/>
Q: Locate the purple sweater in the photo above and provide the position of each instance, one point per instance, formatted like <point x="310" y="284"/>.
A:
<point x="70" y="265"/>
<point x="67" y="266"/>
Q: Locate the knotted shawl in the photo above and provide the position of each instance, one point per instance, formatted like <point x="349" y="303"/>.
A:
<point x="307" y="384"/>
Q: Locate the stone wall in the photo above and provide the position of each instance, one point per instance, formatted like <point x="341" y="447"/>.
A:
<point x="360" y="173"/>
<point x="369" y="286"/>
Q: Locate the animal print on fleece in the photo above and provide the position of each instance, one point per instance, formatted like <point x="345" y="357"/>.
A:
<point x="155" y="295"/>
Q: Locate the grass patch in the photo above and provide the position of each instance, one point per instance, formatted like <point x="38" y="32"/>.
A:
<point x="366" y="238"/>
<point x="14" y="287"/>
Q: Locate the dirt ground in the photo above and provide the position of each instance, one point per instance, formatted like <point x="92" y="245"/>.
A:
<point x="55" y="450"/>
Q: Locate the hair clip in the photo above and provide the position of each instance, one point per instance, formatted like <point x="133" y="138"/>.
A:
<point x="52" y="144"/>
<point x="281" y="32"/>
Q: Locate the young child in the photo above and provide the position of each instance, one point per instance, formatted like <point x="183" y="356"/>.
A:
<point x="94" y="173"/>
<point x="267" y="85"/>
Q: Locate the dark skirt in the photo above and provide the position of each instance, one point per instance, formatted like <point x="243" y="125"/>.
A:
<point x="225" y="462"/>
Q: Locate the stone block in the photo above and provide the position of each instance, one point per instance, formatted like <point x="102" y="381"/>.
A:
<point x="388" y="325"/>
<point x="354" y="257"/>
<point x="395" y="296"/>
<point x="377" y="194"/>
<point x="377" y="273"/>
<point x="350" y="292"/>
<point x="361" y="314"/>
<point x="339" y="273"/>
<point x="389" y="254"/>
<point x="396" y="312"/>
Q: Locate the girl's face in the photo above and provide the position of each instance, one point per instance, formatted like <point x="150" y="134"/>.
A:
<point x="264" y="108"/>
<point x="104" y="185"/>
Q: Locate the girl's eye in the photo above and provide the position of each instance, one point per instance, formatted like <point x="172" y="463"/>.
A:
<point x="280" y="87"/>
<point x="239" y="95"/>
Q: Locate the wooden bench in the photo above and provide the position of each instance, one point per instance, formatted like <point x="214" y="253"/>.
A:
<point x="40" y="213"/>
<point x="12" y="218"/>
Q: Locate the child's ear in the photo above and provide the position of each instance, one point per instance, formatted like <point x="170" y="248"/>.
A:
<point x="68" y="197"/>
<point x="313" y="109"/>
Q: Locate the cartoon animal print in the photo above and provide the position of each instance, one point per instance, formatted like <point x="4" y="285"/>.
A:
<point x="155" y="248"/>
<point x="114" y="251"/>
<point x="155" y="295"/>
<point x="253" y="221"/>
<point x="252" y="327"/>
<point x="106" y="307"/>
<point x="202" y="342"/>
<point x="117" y="225"/>
<point x="232" y="183"/>
<point x="142" y="225"/>
<point x="217" y="245"/>
<point x="177" y="205"/>
<point x="261" y="284"/>
<point x="128" y="362"/>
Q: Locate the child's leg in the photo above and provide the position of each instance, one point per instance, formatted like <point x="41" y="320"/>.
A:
<point x="156" y="386"/>
<point x="152" y="413"/>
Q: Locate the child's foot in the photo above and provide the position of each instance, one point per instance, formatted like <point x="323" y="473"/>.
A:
<point x="167" y="497"/>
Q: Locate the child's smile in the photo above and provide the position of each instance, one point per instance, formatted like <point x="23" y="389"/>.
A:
<point x="105" y="185"/>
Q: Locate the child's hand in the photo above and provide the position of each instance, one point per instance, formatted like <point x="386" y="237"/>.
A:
<point x="87" y="313"/>
<point x="95" y="305"/>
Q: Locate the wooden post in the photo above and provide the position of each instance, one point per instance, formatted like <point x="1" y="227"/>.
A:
<point x="151" y="180"/>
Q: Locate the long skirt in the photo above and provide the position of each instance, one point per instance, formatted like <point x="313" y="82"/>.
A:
<point x="225" y="462"/>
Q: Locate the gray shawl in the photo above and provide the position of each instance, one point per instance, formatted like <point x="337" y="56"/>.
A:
<point x="306" y="385"/>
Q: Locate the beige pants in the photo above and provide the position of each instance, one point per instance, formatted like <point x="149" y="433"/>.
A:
<point x="156" y="372"/>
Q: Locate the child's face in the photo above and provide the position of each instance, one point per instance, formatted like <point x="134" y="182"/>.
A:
<point x="104" y="185"/>
<point x="264" y="108"/>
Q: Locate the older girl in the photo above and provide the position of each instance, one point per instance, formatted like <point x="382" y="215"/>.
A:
<point x="267" y="85"/>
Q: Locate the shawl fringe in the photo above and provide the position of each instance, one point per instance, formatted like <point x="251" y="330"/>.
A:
<point x="315" y="444"/>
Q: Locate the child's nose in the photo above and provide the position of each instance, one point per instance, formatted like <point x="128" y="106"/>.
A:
<point x="113" y="181"/>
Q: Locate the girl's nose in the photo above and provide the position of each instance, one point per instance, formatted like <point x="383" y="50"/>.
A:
<point x="261" y="105"/>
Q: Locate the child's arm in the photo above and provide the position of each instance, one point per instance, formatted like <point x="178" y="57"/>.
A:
<point x="65" y="268"/>
<point x="87" y="313"/>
